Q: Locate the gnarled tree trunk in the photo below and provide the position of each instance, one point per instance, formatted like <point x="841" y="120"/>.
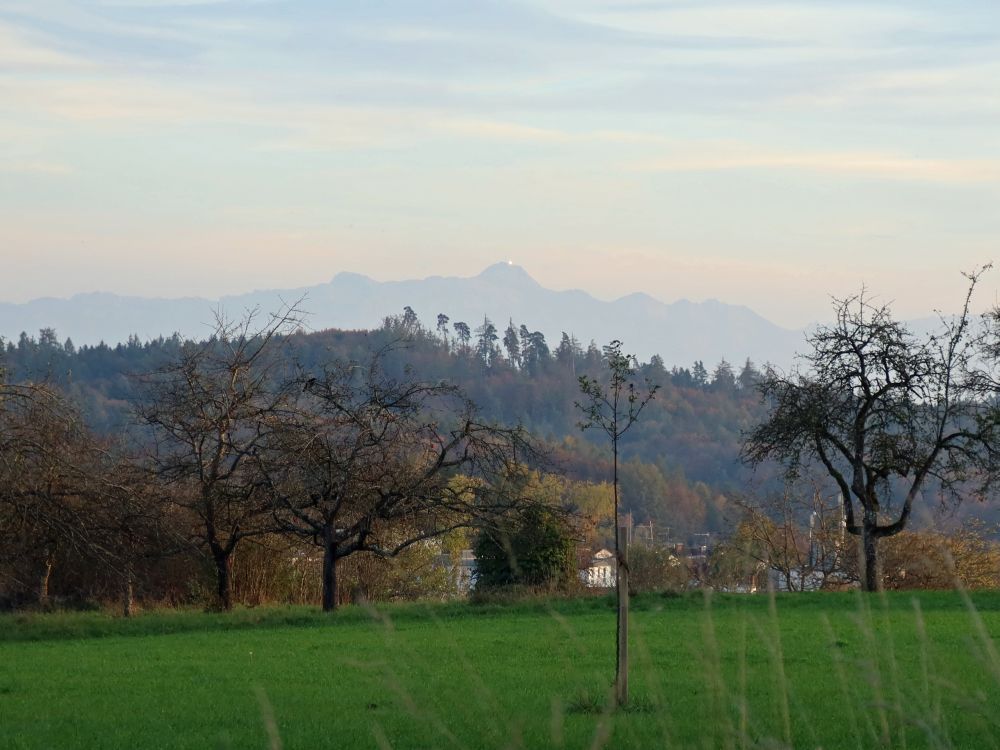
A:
<point x="329" y="572"/>
<point x="44" y="577"/>
<point x="128" y="593"/>
<point x="223" y="572"/>
<point x="870" y="580"/>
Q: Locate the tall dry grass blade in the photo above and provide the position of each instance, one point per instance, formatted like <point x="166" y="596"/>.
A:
<point x="779" y="666"/>
<point x="924" y="655"/>
<point x="722" y="721"/>
<point x="931" y="701"/>
<point x="989" y="653"/>
<point x="267" y="715"/>
<point x="866" y="626"/>
<point x="574" y="640"/>
<point x="406" y="698"/>
<point x="898" y="707"/>
<point x="654" y="691"/>
<point x="485" y="696"/>
<point x="742" y="705"/>
<point x="516" y="740"/>
<point x="992" y="658"/>
<point x="571" y="634"/>
<point x="557" y="722"/>
<point x="845" y="693"/>
<point x="782" y="684"/>
<point x="653" y="687"/>
<point x="602" y="730"/>
<point x="934" y="740"/>
<point x="395" y="646"/>
<point x="380" y="737"/>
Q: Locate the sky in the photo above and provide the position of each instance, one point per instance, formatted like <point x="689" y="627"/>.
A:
<point x="770" y="154"/>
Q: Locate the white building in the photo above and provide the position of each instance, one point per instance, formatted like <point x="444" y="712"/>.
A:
<point x="602" y="571"/>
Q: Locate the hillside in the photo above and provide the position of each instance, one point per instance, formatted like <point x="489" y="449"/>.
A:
<point x="679" y="463"/>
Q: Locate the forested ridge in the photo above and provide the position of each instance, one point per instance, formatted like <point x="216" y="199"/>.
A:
<point x="287" y="465"/>
<point x="680" y="462"/>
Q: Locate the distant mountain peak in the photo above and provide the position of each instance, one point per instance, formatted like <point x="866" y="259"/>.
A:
<point x="680" y="332"/>
<point x="640" y="297"/>
<point x="350" y="276"/>
<point x="507" y="272"/>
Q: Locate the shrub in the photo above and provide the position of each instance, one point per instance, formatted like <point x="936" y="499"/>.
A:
<point x="655" y="568"/>
<point x="935" y="560"/>
<point x="535" y="548"/>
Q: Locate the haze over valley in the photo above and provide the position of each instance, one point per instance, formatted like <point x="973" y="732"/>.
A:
<point x="681" y="331"/>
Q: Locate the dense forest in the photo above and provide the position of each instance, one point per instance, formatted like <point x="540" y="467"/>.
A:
<point x="680" y="463"/>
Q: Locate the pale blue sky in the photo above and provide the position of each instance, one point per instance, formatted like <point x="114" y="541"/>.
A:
<point x="764" y="153"/>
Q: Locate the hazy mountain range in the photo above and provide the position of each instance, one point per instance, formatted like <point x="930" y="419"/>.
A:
<point x="681" y="332"/>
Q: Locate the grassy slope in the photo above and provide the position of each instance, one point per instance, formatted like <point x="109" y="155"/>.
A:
<point x="850" y="670"/>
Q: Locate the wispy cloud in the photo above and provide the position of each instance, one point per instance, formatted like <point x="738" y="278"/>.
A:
<point x="164" y="3"/>
<point x="503" y="131"/>
<point x="956" y="90"/>
<point x="21" y="51"/>
<point x="451" y="128"/>
<point x="722" y="156"/>
<point x="49" y="168"/>
<point x="122" y="100"/>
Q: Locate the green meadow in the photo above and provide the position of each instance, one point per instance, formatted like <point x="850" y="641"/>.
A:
<point x="843" y="670"/>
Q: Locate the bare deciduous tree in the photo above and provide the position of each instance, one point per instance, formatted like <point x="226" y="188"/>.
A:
<point x="42" y="444"/>
<point x="613" y="408"/>
<point x="798" y="534"/>
<point x="126" y="515"/>
<point x="371" y="464"/>
<point x="210" y="411"/>
<point x="884" y="413"/>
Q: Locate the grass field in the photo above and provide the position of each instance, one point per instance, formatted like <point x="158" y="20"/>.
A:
<point x="805" y="670"/>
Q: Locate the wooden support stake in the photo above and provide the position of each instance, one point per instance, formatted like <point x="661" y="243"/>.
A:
<point x="621" y="673"/>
